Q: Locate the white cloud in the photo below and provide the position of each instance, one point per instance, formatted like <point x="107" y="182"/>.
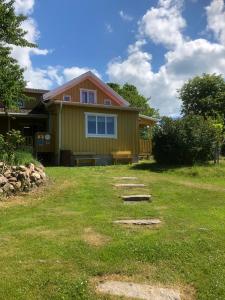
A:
<point x="216" y="19"/>
<point x="125" y="16"/>
<point x="50" y="76"/>
<point x="108" y="28"/>
<point x="163" y="24"/>
<point x="70" y="73"/>
<point x="185" y="59"/>
<point x="24" y="6"/>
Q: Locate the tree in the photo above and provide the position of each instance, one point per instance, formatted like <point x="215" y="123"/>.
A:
<point x="130" y="93"/>
<point x="204" y="95"/>
<point x="11" y="32"/>
<point x="12" y="83"/>
<point x="189" y="140"/>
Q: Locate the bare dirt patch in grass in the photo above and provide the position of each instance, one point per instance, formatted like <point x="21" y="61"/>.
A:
<point x="93" y="238"/>
<point x="52" y="234"/>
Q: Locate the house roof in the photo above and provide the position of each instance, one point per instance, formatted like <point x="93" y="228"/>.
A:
<point x="64" y="103"/>
<point x="92" y="77"/>
<point x="146" y="120"/>
<point x="36" y="91"/>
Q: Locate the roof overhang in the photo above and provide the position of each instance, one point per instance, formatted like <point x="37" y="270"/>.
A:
<point x="24" y="115"/>
<point x="146" y="120"/>
<point x="78" y="104"/>
<point x="93" y="78"/>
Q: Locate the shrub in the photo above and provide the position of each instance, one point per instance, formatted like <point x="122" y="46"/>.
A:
<point x="189" y="140"/>
<point x="10" y="149"/>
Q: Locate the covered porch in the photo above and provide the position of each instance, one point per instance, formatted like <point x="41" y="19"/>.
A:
<point x="27" y="123"/>
<point x="145" y="136"/>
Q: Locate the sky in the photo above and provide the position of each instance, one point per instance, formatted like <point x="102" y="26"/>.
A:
<point x="157" y="45"/>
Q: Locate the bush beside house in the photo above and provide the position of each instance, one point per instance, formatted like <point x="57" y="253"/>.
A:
<point x="188" y="140"/>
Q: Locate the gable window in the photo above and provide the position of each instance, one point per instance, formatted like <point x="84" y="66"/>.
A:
<point x="107" y="102"/>
<point x="101" y="125"/>
<point x="88" y="96"/>
<point x="66" y="98"/>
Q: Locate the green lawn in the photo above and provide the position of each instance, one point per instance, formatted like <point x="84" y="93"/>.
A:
<point x="55" y="242"/>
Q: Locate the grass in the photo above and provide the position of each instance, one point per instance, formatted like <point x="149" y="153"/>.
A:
<point x="20" y="157"/>
<point x="56" y="241"/>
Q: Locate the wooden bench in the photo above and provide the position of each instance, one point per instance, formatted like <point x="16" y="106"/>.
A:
<point x="122" y="156"/>
<point x="82" y="158"/>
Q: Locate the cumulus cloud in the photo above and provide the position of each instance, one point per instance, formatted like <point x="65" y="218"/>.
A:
<point x="125" y="16"/>
<point x="184" y="59"/>
<point x="70" y="73"/>
<point x="163" y="24"/>
<point x="24" y="6"/>
<point x="50" y="76"/>
<point x="216" y="19"/>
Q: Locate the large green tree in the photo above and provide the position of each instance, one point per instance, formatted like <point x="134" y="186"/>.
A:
<point x="130" y="93"/>
<point x="12" y="83"/>
<point x="204" y="95"/>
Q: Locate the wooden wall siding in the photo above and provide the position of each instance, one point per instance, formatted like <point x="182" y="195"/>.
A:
<point x="74" y="92"/>
<point x="73" y="132"/>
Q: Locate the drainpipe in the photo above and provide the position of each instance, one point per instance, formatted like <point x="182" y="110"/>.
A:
<point x="60" y="132"/>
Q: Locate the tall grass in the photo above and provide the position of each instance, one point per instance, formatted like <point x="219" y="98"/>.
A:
<point x="19" y="157"/>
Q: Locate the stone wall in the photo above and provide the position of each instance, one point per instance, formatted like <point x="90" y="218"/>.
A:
<point x="14" y="179"/>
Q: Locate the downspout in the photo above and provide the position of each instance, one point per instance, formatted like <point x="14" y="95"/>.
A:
<point x="60" y="132"/>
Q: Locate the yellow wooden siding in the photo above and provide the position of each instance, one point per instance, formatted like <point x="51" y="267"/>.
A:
<point x="74" y="92"/>
<point x="73" y="132"/>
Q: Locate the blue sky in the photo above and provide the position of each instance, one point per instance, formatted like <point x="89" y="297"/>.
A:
<point x="156" y="45"/>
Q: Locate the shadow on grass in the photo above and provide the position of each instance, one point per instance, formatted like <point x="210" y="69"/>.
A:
<point x="156" y="167"/>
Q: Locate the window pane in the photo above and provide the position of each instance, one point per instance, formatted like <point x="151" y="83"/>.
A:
<point x="91" y="97"/>
<point x="110" y="125"/>
<point x="91" y="125"/>
<point x="84" y="97"/>
<point x="101" y="125"/>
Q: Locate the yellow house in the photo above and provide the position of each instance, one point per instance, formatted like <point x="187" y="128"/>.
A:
<point x="84" y="118"/>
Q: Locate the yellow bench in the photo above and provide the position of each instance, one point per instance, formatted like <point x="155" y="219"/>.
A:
<point x="122" y="156"/>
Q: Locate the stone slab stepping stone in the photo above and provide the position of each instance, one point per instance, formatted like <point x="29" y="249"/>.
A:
<point x="126" y="178"/>
<point x="137" y="198"/>
<point x="129" y="185"/>
<point x="138" y="291"/>
<point x="139" y="222"/>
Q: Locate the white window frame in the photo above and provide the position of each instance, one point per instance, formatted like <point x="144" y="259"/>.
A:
<point x="88" y="90"/>
<point x="67" y="96"/>
<point x="105" y="135"/>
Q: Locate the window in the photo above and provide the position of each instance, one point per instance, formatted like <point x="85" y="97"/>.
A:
<point x="107" y="102"/>
<point x="101" y="125"/>
<point x="66" y="98"/>
<point x="88" y="96"/>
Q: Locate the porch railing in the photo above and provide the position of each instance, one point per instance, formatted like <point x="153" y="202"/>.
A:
<point x="145" y="147"/>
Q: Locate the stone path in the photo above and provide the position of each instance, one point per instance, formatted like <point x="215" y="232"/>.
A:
<point x="129" y="185"/>
<point x="137" y="291"/>
<point x="146" y="222"/>
<point x="137" y="198"/>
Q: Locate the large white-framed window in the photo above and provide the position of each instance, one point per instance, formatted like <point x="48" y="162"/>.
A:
<point x="88" y="96"/>
<point x="100" y="125"/>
